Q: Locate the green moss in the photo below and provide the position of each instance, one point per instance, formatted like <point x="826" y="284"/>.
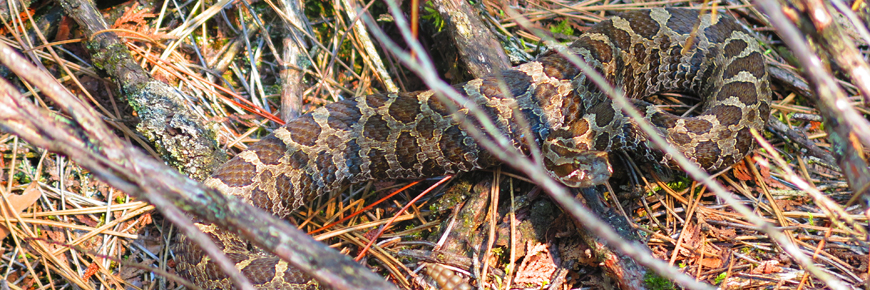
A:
<point x="21" y="177"/>
<point x="417" y="234"/>
<point x="655" y="282"/>
<point x="563" y="27"/>
<point x="681" y="183"/>
<point x="432" y="15"/>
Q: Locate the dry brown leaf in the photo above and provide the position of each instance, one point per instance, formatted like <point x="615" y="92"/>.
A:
<point x="767" y="267"/>
<point x="712" y="262"/>
<point x="574" y="250"/>
<point x="19" y="204"/>
<point x="133" y="19"/>
<point x="728" y="233"/>
<point x="537" y="267"/>
<point x="92" y="269"/>
<point x="764" y="169"/>
<point x="741" y="172"/>
<point x="53" y="234"/>
<point x="789" y="205"/>
<point x="87" y="220"/>
<point x="133" y="275"/>
<point x="692" y="238"/>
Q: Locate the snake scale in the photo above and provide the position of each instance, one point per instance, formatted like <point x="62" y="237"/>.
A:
<point x="413" y="135"/>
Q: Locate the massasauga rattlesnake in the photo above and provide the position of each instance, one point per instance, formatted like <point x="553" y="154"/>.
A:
<point x="412" y="135"/>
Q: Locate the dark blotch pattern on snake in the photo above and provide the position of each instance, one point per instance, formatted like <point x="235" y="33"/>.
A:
<point x="413" y="135"/>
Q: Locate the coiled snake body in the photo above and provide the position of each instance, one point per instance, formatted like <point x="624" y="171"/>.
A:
<point x="413" y="135"/>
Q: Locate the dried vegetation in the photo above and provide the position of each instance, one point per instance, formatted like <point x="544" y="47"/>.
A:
<point x="67" y="228"/>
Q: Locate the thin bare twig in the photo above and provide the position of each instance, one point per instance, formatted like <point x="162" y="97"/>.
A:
<point x="150" y="180"/>
<point x="500" y="149"/>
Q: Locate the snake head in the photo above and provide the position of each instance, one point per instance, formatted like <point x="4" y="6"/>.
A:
<point x="576" y="168"/>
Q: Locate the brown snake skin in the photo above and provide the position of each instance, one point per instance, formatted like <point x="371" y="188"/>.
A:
<point x="413" y="135"/>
